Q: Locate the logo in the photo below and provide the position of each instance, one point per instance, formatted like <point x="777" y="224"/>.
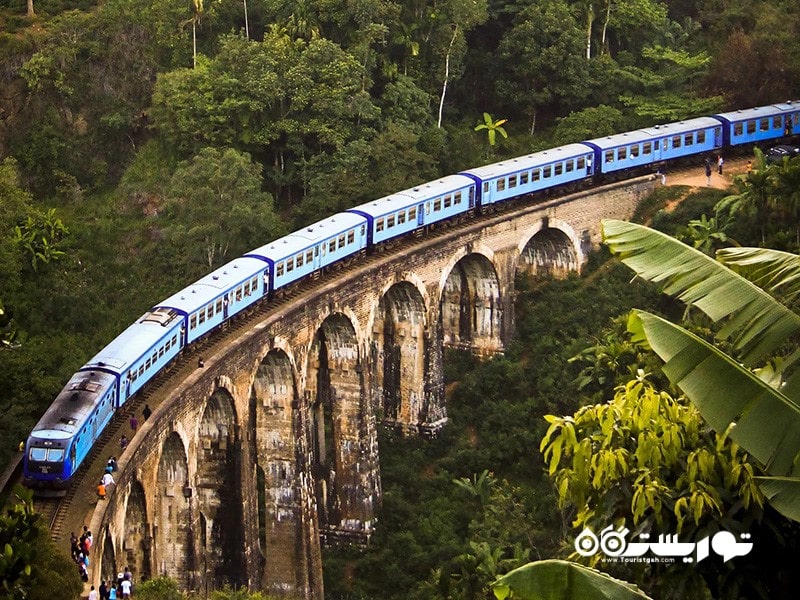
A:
<point x="614" y="544"/>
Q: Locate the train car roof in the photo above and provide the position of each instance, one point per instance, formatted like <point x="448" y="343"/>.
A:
<point x="531" y="160"/>
<point x="654" y="132"/>
<point x="414" y="195"/>
<point x="73" y="405"/>
<point x="210" y="287"/>
<point x="761" y="111"/>
<point x="131" y="344"/>
<point x="309" y="236"/>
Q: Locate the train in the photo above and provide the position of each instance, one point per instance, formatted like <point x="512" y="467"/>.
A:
<point x="64" y="436"/>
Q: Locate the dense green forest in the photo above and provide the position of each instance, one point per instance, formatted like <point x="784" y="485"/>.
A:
<point x="143" y="143"/>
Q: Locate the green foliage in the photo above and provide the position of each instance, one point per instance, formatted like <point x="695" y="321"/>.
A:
<point x="160" y="588"/>
<point x="216" y="210"/>
<point x="646" y="457"/>
<point x="29" y="566"/>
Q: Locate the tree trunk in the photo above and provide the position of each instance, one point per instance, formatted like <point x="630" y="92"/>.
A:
<point x="246" y="23"/>
<point x="589" y="23"/>
<point x="604" y="48"/>
<point x="31" y="12"/>
<point x="446" y="74"/>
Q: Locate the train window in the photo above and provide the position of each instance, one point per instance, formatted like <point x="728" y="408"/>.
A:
<point x="559" y="168"/>
<point x="246" y="291"/>
<point x="501" y="185"/>
<point x="701" y="137"/>
<point x="289" y="265"/>
<point x="193" y="322"/>
<point x="363" y="229"/>
<point x="38" y="454"/>
<point x="309" y="256"/>
<point x="202" y="317"/>
<point x="155" y="356"/>
<point x="147" y="364"/>
<point x="324" y="248"/>
<point x="647" y="148"/>
<point x="427" y="208"/>
<point x="239" y="294"/>
<point x="401" y="218"/>
<point x="763" y="124"/>
<point x="512" y="181"/>
<point x="457" y="198"/>
<point x="299" y="260"/>
<point x="161" y="352"/>
<point x="175" y="340"/>
<point x="634" y="150"/>
<point x="751" y="127"/>
<point x="437" y="204"/>
<point x="570" y="165"/>
<point x="664" y="144"/>
<point x="738" y="129"/>
<point x="379" y="225"/>
<point x="341" y="237"/>
<point x="609" y="156"/>
<point x="351" y="235"/>
<point x="412" y="213"/>
<point x="581" y="163"/>
<point x="219" y="306"/>
<point x="390" y="221"/>
<point x="546" y="172"/>
<point x="253" y="285"/>
<point x="688" y="139"/>
<point x="622" y="153"/>
<point x="676" y="141"/>
<point x="141" y="370"/>
<point x="485" y="187"/>
<point x="523" y="179"/>
<point x="776" y="122"/>
<point x="134" y="376"/>
<point x="332" y="246"/>
<point x="55" y="455"/>
<point x="279" y="270"/>
<point x="448" y="201"/>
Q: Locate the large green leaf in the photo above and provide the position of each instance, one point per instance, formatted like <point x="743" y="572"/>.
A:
<point x="754" y="321"/>
<point x="772" y="270"/>
<point x="729" y="396"/>
<point x="783" y="494"/>
<point x="563" y="580"/>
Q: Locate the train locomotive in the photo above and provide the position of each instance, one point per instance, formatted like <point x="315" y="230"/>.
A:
<point x="64" y="435"/>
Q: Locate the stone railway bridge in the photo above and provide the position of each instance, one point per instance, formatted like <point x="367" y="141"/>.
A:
<point x="254" y="462"/>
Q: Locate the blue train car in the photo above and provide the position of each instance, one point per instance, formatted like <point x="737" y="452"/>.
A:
<point x="763" y="123"/>
<point x="645" y="147"/>
<point x="405" y="211"/>
<point x="527" y="174"/>
<point x="298" y="254"/>
<point x="209" y="301"/>
<point x="139" y="352"/>
<point x="64" y="435"/>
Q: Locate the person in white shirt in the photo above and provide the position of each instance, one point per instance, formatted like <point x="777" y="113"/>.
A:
<point x="108" y="479"/>
<point x="126" y="588"/>
<point x="93" y="595"/>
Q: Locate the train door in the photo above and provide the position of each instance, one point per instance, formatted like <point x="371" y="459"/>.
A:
<point x="472" y="197"/>
<point x="717" y="137"/>
<point x="421" y="214"/>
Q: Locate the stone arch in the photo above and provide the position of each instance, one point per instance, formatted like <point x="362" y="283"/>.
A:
<point x="219" y="499"/>
<point x="340" y="442"/>
<point x="274" y="419"/>
<point x="399" y="356"/>
<point x="109" y="566"/>
<point x="173" y="531"/>
<point x="471" y="309"/>
<point x="551" y="251"/>
<point x="137" y="541"/>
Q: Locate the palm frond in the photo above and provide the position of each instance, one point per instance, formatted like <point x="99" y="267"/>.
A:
<point x="755" y="322"/>
<point x="730" y="397"/>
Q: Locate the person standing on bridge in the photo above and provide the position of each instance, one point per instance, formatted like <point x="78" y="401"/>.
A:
<point x="146" y="412"/>
<point x="708" y="171"/>
<point x="108" y="479"/>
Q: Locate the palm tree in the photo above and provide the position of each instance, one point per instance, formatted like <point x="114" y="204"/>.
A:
<point x="757" y="322"/>
<point x="492" y="128"/>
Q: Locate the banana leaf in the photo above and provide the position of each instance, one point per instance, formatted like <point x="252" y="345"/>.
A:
<point x="772" y="270"/>
<point x="563" y="580"/>
<point x="783" y="494"/>
<point x="756" y="324"/>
